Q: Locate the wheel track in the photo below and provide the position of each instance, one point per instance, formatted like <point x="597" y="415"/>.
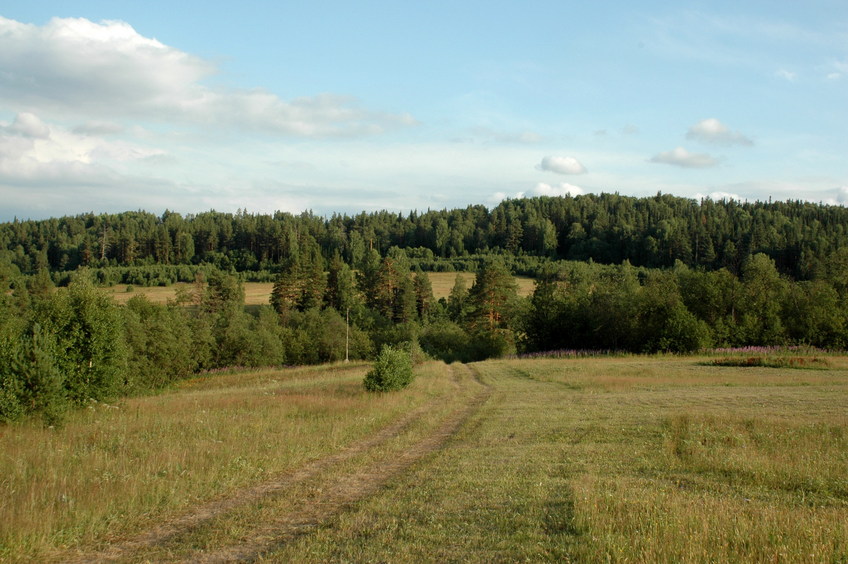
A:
<point x="350" y="488"/>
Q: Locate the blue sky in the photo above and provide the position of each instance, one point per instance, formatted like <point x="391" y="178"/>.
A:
<point x="348" y="107"/>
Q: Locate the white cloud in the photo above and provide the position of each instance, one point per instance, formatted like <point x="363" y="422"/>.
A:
<point x="541" y="189"/>
<point x="98" y="128"/>
<point x="561" y="165"/>
<point x="31" y="151"/>
<point x="786" y="75"/>
<point x="841" y="195"/>
<point x="718" y="196"/>
<point x="838" y="69"/>
<point x="683" y="158"/>
<point x="713" y="131"/>
<point x="72" y="66"/>
<point x="30" y="126"/>
<point x="561" y="189"/>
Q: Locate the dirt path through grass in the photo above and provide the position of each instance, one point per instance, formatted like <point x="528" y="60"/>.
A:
<point x="329" y="490"/>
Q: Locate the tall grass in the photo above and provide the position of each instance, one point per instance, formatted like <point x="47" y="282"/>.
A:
<point x="612" y="459"/>
<point x="113" y="469"/>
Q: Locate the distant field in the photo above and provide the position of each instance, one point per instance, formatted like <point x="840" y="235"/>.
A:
<point x="259" y="293"/>
<point x="631" y="459"/>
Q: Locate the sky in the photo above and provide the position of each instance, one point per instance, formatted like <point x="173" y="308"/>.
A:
<point x="339" y="106"/>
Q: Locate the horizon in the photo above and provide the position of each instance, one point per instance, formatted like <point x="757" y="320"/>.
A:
<point x="335" y="108"/>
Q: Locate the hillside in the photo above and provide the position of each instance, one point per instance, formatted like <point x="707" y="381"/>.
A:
<point x="607" y="228"/>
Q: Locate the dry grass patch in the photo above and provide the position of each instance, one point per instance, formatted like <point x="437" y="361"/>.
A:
<point x="112" y="470"/>
<point x="443" y="282"/>
<point x="255" y="293"/>
<point x="259" y="293"/>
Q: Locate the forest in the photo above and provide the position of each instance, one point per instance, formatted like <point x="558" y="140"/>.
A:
<point x="613" y="273"/>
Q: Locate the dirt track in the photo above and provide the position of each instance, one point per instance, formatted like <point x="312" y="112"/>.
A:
<point x="327" y="498"/>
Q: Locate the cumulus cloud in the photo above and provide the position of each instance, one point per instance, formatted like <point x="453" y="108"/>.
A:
<point x="561" y="189"/>
<point x="31" y="151"/>
<point x="561" y="165"/>
<point x="74" y="66"/>
<point x="683" y="158"/>
<point x="30" y="126"/>
<point x="713" y="131"/>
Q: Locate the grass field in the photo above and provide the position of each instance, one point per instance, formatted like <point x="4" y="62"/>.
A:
<point x="259" y="293"/>
<point x="631" y="459"/>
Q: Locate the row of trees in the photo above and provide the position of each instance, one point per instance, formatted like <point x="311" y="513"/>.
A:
<point x="67" y="346"/>
<point x="606" y="228"/>
<point x="584" y="306"/>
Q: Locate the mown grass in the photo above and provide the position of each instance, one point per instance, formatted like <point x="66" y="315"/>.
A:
<point x="627" y="459"/>
<point x="112" y="470"/>
<point x="621" y="460"/>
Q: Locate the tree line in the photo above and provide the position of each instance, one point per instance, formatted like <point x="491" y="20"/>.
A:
<point x="64" y="347"/>
<point x="606" y="228"/>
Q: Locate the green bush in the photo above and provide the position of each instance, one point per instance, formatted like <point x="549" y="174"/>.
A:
<point x="392" y="370"/>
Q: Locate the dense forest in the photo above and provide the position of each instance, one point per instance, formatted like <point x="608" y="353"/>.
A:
<point x="613" y="273"/>
<point x="608" y="228"/>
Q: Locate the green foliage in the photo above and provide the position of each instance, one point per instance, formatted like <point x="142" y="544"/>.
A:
<point x="606" y="228"/>
<point x="392" y="370"/>
<point x="446" y="341"/>
<point x="89" y="349"/>
<point x="224" y="293"/>
<point x="158" y="340"/>
<point x="656" y="274"/>
<point x="40" y="379"/>
<point x="301" y="284"/>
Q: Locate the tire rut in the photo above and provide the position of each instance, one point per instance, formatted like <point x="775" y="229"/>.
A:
<point x="351" y="488"/>
<point x="345" y="492"/>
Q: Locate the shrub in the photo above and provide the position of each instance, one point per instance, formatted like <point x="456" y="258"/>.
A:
<point x="392" y="370"/>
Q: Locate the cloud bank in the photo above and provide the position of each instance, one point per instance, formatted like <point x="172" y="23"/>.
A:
<point x="82" y="68"/>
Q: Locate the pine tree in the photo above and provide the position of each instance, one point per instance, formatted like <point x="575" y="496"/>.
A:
<point x="492" y="297"/>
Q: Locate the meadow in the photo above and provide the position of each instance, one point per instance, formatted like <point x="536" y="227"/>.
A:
<point x="259" y="293"/>
<point x="624" y="459"/>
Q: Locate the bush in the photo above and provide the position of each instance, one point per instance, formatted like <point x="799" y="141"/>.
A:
<point x="392" y="370"/>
